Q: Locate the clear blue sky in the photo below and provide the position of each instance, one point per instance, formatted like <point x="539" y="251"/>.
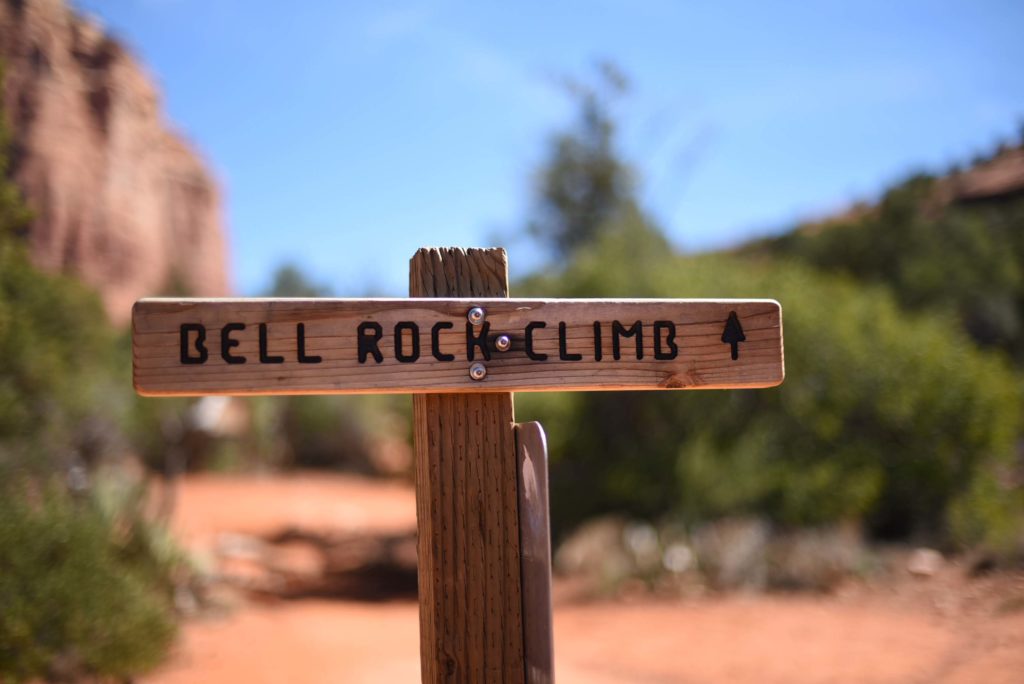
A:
<point x="347" y="135"/>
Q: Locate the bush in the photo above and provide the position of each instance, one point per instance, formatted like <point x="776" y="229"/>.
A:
<point x="84" y="587"/>
<point x="339" y="432"/>
<point x="966" y="259"/>
<point x="85" y="580"/>
<point x="61" y="390"/>
<point x="887" y="417"/>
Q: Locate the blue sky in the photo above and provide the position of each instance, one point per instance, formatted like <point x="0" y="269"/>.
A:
<point x="346" y="135"/>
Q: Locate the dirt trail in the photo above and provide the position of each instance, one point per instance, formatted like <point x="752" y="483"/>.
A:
<point x="902" y="634"/>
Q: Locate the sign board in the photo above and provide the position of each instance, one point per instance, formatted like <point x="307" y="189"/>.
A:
<point x="361" y="346"/>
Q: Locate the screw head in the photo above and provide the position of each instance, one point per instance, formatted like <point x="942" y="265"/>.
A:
<point x="502" y="343"/>
<point x="476" y="315"/>
<point x="478" y="371"/>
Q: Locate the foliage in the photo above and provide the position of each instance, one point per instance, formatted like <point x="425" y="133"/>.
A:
<point x="889" y="417"/>
<point x="583" y="184"/>
<point x="966" y="259"/>
<point x="290" y="281"/>
<point x="85" y="578"/>
<point x="56" y="356"/>
<point x="885" y="416"/>
<point x="85" y="586"/>
<point x="337" y="432"/>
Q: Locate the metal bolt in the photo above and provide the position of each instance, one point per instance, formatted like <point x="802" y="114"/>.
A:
<point x="476" y="315"/>
<point x="503" y="343"/>
<point x="478" y="371"/>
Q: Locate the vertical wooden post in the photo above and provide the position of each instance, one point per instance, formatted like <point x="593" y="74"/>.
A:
<point x="471" y="627"/>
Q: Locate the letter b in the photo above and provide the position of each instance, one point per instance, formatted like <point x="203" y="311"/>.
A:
<point x="200" y="343"/>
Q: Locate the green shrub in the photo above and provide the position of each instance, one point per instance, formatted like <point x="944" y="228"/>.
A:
<point x="64" y="385"/>
<point x="339" y="432"/>
<point x="888" y="417"/>
<point x="84" y="587"/>
<point x="965" y="259"/>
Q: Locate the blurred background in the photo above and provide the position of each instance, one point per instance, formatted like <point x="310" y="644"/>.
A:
<point x="863" y="164"/>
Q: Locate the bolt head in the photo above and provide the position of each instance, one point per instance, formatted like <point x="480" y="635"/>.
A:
<point x="478" y="371"/>
<point x="476" y="315"/>
<point x="503" y="343"/>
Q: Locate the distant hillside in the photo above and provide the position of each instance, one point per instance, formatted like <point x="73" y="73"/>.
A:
<point x="952" y="243"/>
<point x="119" y="200"/>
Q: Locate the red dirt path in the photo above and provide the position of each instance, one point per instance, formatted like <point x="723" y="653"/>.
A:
<point x="903" y="634"/>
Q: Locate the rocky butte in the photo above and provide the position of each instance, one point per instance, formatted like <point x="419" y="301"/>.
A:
<point x="119" y="200"/>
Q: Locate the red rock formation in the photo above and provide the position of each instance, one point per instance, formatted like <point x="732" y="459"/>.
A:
<point x="119" y="200"/>
<point x="1001" y="177"/>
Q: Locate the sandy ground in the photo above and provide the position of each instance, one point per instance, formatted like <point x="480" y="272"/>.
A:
<point x="949" y="629"/>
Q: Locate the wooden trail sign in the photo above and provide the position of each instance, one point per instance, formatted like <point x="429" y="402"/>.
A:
<point x="461" y="347"/>
<point x="352" y="346"/>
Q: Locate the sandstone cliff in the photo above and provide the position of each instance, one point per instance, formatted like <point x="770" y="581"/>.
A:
<point x="119" y="200"/>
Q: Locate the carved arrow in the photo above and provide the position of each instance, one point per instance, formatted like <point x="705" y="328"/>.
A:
<point x="733" y="334"/>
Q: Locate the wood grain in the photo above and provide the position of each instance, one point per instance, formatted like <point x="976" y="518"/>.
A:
<point x="535" y="536"/>
<point x="471" y="627"/>
<point x="573" y="360"/>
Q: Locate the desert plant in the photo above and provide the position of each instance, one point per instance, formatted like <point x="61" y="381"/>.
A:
<point x="885" y="416"/>
<point x="84" y="585"/>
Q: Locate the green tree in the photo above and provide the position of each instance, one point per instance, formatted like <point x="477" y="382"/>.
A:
<point x="886" y="417"/>
<point x="583" y="185"/>
<point x="290" y="281"/>
<point x="966" y="259"/>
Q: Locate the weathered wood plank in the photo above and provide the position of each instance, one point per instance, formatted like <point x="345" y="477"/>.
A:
<point x="313" y="346"/>
<point x="535" y="536"/>
<point x="471" y="626"/>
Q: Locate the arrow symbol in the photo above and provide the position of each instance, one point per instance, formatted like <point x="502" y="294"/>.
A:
<point x="733" y="334"/>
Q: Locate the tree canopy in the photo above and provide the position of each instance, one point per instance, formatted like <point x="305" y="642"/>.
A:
<point x="890" y="414"/>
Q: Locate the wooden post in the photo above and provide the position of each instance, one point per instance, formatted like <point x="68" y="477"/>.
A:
<point x="470" y="592"/>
